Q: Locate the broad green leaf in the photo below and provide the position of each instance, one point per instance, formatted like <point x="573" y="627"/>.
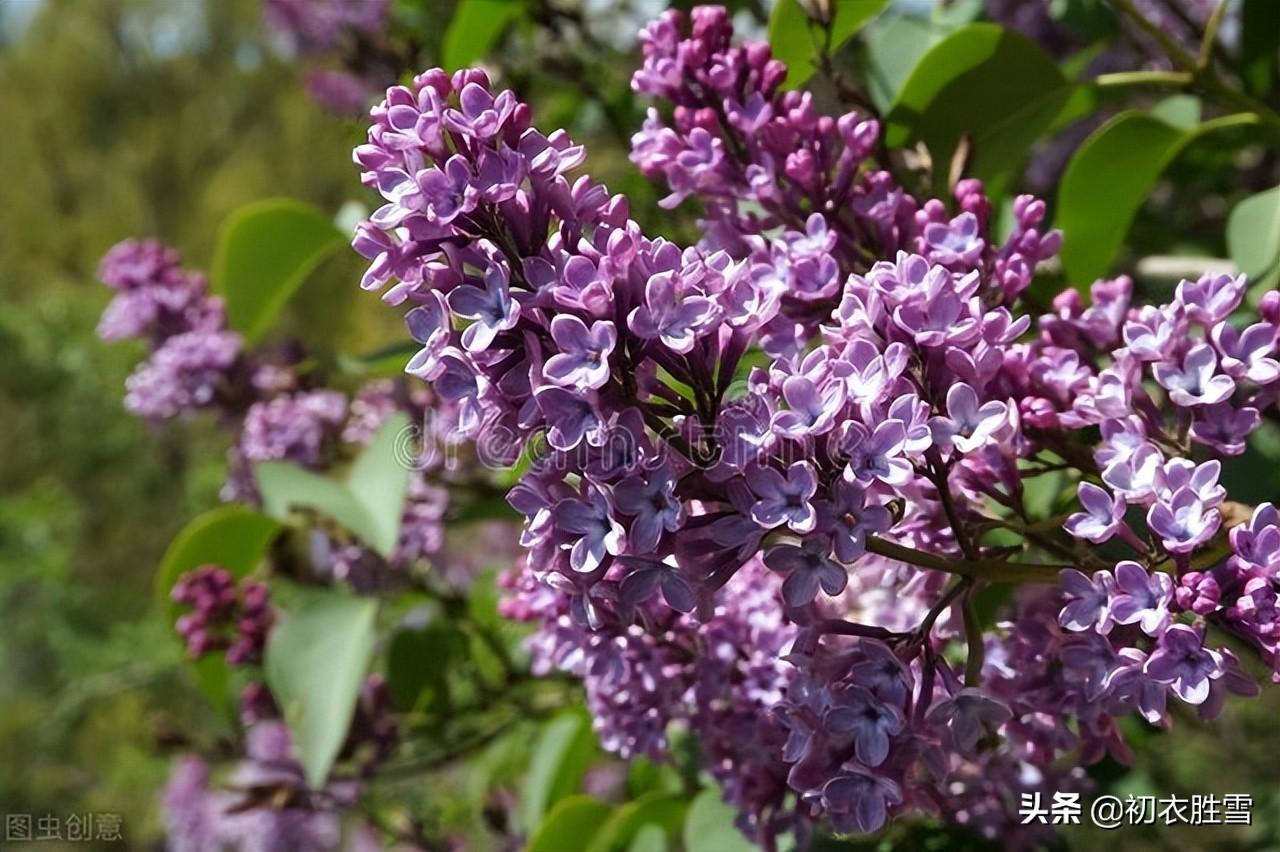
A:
<point x="475" y="28"/>
<point x="566" y="746"/>
<point x="231" y="537"/>
<point x="369" y="502"/>
<point x="379" y="479"/>
<point x="570" y="825"/>
<point x="709" y="826"/>
<point x="1253" y="233"/>
<point x="1108" y="179"/>
<point x="894" y="45"/>
<point x="265" y="251"/>
<point x="316" y="660"/>
<point x="971" y="84"/>
<point x="664" y="810"/>
<point x="796" y="39"/>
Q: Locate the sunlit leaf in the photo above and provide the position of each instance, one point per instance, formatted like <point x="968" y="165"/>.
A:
<point x="709" y="826"/>
<point x="569" y="825"/>
<point x="796" y="39"/>
<point x="1253" y="233"/>
<point x="265" y="251"/>
<point x="995" y="86"/>
<point x="565" y="749"/>
<point x="475" y="28"/>
<point x="316" y="660"/>
<point x="369" y="502"/>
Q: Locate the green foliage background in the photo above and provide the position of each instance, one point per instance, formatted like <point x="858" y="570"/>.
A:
<point x="159" y="117"/>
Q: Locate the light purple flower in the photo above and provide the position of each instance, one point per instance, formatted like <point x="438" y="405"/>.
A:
<point x="1195" y="382"/>
<point x="492" y="309"/>
<point x="447" y="191"/>
<point x="955" y="243"/>
<point x="807" y="568"/>
<point x="650" y="500"/>
<point x="812" y="407"/>
<point x="784" y="499"/>
<point x="1183" y="521"/>
<point x="870" y="722"/>
<point x="583" y="360"/>
<point x="570" y="417"/>
<point x="591" y="527"/>
<point x="876" y="455"/>
<point x="859" y="801"/>
<point x="1154" y="333"/>
<point x="666" y="316"/>
<point x="1135" y="478"/>
<point x="1224" y="427"/>
<point x="1141" y="597"/>
<point x="1200" y="478"/>
<point x="1211" y="298"/>
<point x="967" y="425"/>
<point x="1101" y="517"/>
<point x="1182" y="661"/>
<point x="1089" y="607"/>
<point x="967" y="717"/>
<point x="1245" y="354"/>
<point x="429" y="325"/>
<point x="849" y="521"/>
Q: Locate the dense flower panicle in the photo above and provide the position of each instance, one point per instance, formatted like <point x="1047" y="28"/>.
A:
<point x="194" y="357"/>
<point x="155" y="297"/>
<point x="903" y="397"/>
<point x="226" y="614"/>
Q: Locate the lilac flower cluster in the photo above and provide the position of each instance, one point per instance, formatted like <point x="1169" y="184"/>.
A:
<point x="718" y="679"/>
<point x="903" y="400"/>
<point x="201" y="815"/>
<point x="197" y="365"/>
<point x="192" y="352"/>
<point x="226" y="614"/>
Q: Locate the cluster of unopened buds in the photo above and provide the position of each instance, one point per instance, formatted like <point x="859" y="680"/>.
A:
<point x="900" y="399"/>
<point x="225" y="614"/>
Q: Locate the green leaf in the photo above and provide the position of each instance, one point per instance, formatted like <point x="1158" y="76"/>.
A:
<point x="650" y="838"/>
<point x="231" y="537"/>
<point x="316" y="660"/>
<point x="1253" y="233"/>
<point x="664" y="810"/>
<point x="982" y="81"/>
<point x="418" y="663"/>
<point x="265" y="251"/>
<point x="569" y="825"/>
<point x="796" y="39"/>
<point x="709" y="826"/>
<point x="894" y="45"/>
<point x="387" y="361"/>
<point x="1180" y="111"/>
<point x="369" y="502"/>
<point x="565" y="749"/>
<point x="475" y="28"/>
<point x="1108" y="179"/>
